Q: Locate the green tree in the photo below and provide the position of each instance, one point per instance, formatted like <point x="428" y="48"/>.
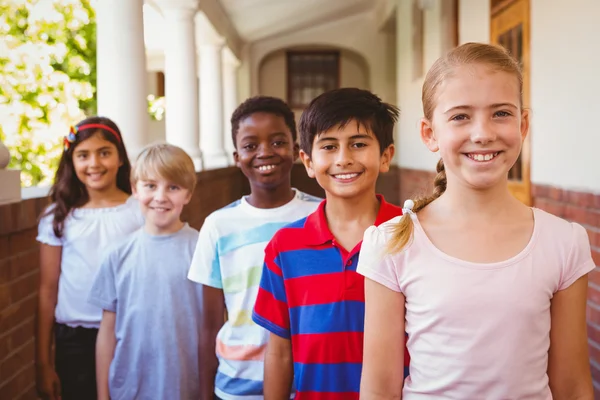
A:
<point x="47" y="79"/>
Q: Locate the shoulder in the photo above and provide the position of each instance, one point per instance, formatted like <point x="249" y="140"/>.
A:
<point x="119" y="249"/>
<point x="189" y="234"/>
<point x="305" y="197"/>
<point x="223" y="213"/>
<point x="556" y="229"/>
<point x="290" y="234"/>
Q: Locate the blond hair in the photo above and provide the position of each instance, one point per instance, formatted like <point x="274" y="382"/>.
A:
<point x="165" y="161"/>
<point x="469" y="53"/>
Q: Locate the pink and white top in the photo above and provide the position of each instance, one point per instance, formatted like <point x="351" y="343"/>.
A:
<point x="475" y="330"/>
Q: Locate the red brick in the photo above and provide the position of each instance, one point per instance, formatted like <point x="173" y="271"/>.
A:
<point x="18" y="359"/>
<point x="593" y="313"/>
<point x="594" y="289"/>
<point x="23" y="241"/>
<point x="29" y="394"/>
<point x="4" y="296"/>
<point x="594" y="235"/>
<point x="594" y="351"/>
<point x="18" y="313"/>
<point x="593" y="332"/>
<point x="596" y="257"/>
<point x="24" y="264"/>
<point x="556" y="194"/>
<point x="4" y="249"/>
<point x="15" y="385"/>
<point x="595" y="371"/>
<point x="18" y="336"/>
<point x="24" y="287"/>
<point x="581" y="199"/>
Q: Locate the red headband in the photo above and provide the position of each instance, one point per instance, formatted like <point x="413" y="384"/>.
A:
<point x="70" y="138"/>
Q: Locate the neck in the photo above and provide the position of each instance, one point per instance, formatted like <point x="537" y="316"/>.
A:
<point x="107" y="196"/>
<point x="340" y="209"/>
<point x="261" y="197"/>
<point x="479" y="204"/>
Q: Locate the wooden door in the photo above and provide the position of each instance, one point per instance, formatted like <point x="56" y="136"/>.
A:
<point x="510" y="29"/>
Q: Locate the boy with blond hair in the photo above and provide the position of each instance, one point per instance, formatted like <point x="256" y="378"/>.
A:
<point x="147" y="346"/>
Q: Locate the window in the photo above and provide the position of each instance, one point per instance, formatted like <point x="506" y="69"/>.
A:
<point x="310" y="74"/>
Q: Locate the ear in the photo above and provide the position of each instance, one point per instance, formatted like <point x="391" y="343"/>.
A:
<point x="188" y="198"/>
<point x="134" y="191"/>
<point x="236" y="159"/>
<point x="386" y="158"/>
<point x="525" y="120"/>
<point x="305" y="158"/>
<point x="296" y="151"/>
<point x="428" y="135"/>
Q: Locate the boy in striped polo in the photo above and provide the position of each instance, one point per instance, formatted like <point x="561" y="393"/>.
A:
<point x="230" y="251"/>
<point x="311" y="298"/>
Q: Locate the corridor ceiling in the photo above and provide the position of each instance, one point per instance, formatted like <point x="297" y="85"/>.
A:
<point x="260" y="19"/>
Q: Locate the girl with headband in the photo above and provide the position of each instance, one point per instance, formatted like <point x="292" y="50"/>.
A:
<point x="91" y="208"/>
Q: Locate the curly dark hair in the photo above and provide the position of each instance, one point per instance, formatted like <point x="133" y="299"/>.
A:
<point x="341" y="106"/>
<point x="68" y="192"/>
<point x="266" y="104"/>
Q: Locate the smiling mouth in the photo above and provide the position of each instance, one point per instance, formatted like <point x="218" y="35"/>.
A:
<point x="482" y="157"/>
<point x="96" y="174"/>
<point x="266" y="168"/>
<point x="347" y="176"/>
<point x="160" y="209"/>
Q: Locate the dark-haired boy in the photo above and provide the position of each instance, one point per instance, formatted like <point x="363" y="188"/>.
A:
<point x="230" y="251"/>
<point x="311" y="298"/>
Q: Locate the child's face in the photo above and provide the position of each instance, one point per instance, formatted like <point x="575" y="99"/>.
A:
<point x="96" y="163"/>
<point x="346" y="162"/>
<point x="161" y="202"/>
<point x="265" y="150"/>
<point x="477" y="126"/>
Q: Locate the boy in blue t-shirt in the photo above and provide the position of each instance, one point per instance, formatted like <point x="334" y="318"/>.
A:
<point x="147" y="345"/>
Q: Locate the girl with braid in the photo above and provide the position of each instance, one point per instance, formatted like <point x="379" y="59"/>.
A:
<point x="491" y="292"/>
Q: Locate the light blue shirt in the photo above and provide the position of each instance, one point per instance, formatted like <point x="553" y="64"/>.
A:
<point x="144" y="281"/>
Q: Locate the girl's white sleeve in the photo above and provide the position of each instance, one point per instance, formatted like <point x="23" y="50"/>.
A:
<point x="374" y="262"/>
<point x="46" y="231"/>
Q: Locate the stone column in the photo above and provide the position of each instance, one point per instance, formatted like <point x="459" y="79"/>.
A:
<point x="211" y="106"/>
<point x="10" y="179"/>
<point x="121" y="69"/>
<point x="230" y="99"/>
<point x="181" y="79"/>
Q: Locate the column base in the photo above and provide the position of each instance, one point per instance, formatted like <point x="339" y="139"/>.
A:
<point x="10" y="182"/>
<point x="214" y="161"/>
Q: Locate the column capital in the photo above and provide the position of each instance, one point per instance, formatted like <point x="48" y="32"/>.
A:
<point x="229" y="59"/>
<point x="206" y="34"/>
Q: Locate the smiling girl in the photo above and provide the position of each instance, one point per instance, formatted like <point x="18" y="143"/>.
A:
<point x="491" y="292"/>
<point x="90" y="209"/>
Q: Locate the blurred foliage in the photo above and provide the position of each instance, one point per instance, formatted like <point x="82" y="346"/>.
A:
<point x="47" y="79"/>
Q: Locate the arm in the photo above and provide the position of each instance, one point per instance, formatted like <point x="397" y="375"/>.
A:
<point x="383" y="360"/>
<point x="279" y="368"/>
<point x="105" y="351"/>
<point x="48" y="384"/>
<point x="568" y="359"/>
<point x="212" y="314"/>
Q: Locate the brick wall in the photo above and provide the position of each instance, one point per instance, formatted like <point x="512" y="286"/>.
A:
<point x="583" y="208"/>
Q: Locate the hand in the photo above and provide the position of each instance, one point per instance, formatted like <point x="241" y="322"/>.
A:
<point x="48" y="384"/>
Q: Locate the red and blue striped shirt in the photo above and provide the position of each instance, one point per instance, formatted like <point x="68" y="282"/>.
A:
<point x="311" y="294"/>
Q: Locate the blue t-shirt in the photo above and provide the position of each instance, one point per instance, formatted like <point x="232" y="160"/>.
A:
<point x="144" y="281"/>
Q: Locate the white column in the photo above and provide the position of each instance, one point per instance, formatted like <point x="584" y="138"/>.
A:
<point x="181" y="88"/>
<point x="121" y="69"/>
<point x="10" y="179"/>
<point x="211" y="106"/>
<point x="230" y="99"/>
